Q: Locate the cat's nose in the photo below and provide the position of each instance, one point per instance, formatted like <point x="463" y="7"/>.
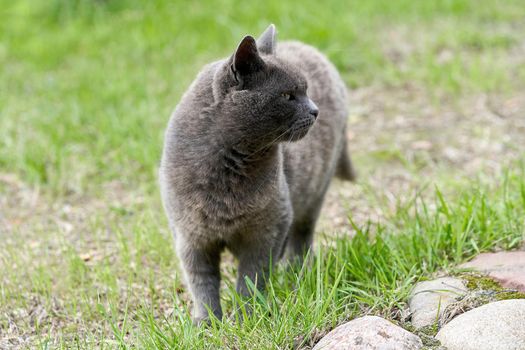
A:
<point x="313" y="110"/>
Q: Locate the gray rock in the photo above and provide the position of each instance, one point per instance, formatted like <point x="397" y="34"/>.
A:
<point x="430" y="298"/>
<point x="508" y="268"/>
<point x="495" y="326"/>
<point x="370" y="333"/>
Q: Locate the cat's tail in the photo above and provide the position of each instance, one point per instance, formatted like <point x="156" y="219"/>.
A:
<point x="345" y="170"/>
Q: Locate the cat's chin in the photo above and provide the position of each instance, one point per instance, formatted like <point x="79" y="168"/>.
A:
<point x="297" y="135"/>
<point x="300" y="130"/>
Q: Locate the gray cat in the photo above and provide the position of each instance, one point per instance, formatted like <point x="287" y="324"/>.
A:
<point x="247" y="160"/>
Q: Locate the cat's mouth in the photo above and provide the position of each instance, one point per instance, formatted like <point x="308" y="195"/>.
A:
<point x="300" y="128"/>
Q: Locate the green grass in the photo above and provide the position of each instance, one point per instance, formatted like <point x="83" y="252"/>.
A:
<point x="136" y="294"/>
<point x="86" y="89"/>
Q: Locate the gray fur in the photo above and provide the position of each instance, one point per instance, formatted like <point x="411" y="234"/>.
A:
<point x="247" y="169"/>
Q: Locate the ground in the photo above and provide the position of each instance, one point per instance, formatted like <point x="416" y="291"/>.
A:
<point x="436" y="130"/>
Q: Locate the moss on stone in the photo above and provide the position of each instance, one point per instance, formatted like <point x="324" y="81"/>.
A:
<point x="481" y="282"/>
<point x="430" y="330"/>
<point x="426" y="334"/>
<point x="510" y="294"/>
<point x="482" y="290"/>
<point x="477" y="282"/>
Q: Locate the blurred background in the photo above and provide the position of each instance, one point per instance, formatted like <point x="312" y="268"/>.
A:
<point x="97" y="79"/>
<point x="437" y="96"/>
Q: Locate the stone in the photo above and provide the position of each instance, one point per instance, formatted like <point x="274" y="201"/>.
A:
<point x="508" y="268"/>
<point x="370" y="333"/>
<point x="430" y="298"/>
<point x="494" y="326"/>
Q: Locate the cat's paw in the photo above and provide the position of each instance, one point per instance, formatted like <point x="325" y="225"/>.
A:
<point x="204" y="319"/>
<point x="201" y="320"/>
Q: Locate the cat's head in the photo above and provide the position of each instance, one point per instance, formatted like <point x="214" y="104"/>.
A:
<point x="263" y="96"/>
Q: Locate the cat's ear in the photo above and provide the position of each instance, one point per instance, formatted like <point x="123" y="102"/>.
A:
<point x="246" y="59"/>
<point x="266" y="42"/>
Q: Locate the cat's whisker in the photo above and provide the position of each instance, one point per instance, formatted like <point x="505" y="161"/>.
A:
<point x="265" y="146"/>
<point x="270" y="144"/>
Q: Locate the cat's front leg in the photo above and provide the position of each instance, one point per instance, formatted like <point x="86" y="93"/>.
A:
<point x="258" y="253"/>
<point x="254" y="264"/>
<point x="201" y="267"/>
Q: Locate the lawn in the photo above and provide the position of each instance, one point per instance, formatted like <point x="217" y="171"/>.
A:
<point x="437" y="128"/>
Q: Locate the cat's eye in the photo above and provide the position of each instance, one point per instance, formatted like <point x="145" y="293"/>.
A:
<point x="288" y="96"/>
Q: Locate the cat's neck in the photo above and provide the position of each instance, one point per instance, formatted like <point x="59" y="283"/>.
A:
<point x="249" y="161"/>
<point x="230" y="151"/>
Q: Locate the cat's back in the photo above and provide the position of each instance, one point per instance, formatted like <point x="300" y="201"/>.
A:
<point x="197" y="97"/>
<point x="186" y="137"/>
<point x="189" y="121"/>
